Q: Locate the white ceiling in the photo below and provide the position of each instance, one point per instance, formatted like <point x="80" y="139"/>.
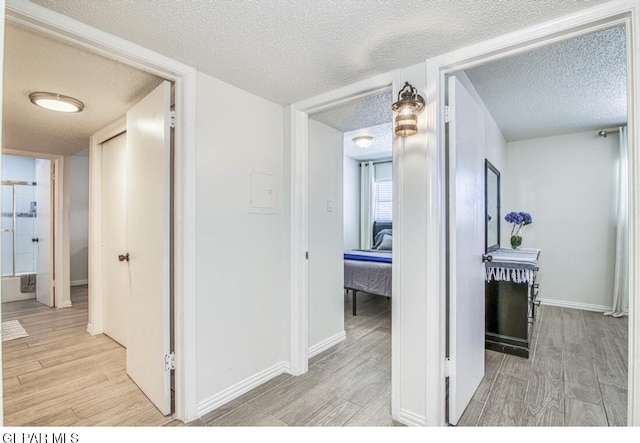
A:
<point x="572" y="86"/>
<point x="287" y="51"/>
<point x="370" y="115"/>
<point x="381" y="146"/>
<point x="34" y="62"/>
<point x="281" y="50"/>
<point x="371" y="110"/>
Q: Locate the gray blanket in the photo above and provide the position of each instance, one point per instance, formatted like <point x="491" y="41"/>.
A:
<point x="371" y="277"/>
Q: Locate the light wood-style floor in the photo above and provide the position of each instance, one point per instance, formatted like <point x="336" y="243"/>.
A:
<point x="347" y="385"/>
<point x="62" y="376"/>
<point x="577" y="375"/>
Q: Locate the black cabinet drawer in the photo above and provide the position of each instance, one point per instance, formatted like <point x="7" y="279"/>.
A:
<point x="510" y="313"/>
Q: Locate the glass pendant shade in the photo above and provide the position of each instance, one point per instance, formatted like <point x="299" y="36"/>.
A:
<point x="363" y="141"/>
<point x="409" y="105"/>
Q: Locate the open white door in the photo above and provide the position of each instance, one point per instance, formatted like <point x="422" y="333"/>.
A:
<point x="43" y="232"/>
<point x="148" y="242"/>
<point x="466" y="247"/>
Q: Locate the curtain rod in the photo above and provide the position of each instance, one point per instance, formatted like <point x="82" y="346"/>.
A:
<point x="604" y="132"/>
<point x="375" y="163"/>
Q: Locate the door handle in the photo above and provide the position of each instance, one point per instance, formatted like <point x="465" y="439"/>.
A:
<point x="486" y="258"/>
<point x="35" y="240"/>
<point x="123" y="257"/>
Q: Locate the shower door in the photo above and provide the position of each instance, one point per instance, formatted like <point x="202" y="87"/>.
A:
<point x="18" y="213"/>
<point x="27" y="231"/>
<point x="8" y="252"/>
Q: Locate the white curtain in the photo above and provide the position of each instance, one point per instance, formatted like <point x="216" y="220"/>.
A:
<point x="620" y="304"/>
<point x="366" y="207"/>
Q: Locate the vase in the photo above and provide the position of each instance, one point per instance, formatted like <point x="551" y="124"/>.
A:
<point x="516" y="241"/>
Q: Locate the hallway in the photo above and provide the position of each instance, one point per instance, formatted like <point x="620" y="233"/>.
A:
<point x="347" y="385"/>
<point x="61" y="376"/>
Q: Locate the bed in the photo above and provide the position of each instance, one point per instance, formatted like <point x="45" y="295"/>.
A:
<point x="369" y="270"/>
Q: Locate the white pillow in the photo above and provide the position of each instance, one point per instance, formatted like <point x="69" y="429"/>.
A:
<point x="386" y="243"/>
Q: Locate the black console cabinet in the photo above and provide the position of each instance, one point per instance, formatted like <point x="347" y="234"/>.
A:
<point x="510" y="313"/>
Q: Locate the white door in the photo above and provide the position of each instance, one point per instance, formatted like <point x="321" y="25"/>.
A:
<point x="115" y="286"/>
<point x="43" y="232"/>
<point x="466" y="247"/>
<point x="148" y="244"/>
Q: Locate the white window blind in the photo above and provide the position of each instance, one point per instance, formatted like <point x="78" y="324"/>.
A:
<point x="383" y="201"/>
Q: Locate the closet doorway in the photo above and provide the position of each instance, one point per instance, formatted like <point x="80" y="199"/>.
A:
<point x="59" y="340"/>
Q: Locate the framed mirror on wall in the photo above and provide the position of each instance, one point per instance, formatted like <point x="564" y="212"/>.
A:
<point x="491" y="207"/>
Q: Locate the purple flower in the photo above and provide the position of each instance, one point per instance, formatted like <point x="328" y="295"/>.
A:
<point x="526" y="217"/>
<point x="519" y="219"/>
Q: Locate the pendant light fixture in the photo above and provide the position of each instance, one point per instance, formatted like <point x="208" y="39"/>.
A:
<point x="408" y="106"/>
<point x="56" y="102"/>
<point x="363" y="141"/>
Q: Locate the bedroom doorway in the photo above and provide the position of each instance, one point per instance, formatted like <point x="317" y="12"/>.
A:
<point x="569" y="333"/>
<point x="349" y="192"/>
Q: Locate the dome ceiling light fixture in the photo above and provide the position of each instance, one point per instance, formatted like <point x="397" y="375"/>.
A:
<point x="56" y="102"/>
<point x="408" y="106"/>
<point x="363" y="141"/>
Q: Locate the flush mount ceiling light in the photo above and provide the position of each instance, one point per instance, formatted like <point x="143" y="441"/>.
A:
<point x="408" y="106"/>
<point x="56" y="102"/>
<point x="363" y="141"/>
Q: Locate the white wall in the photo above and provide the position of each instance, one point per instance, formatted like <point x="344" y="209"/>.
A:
<point x="79" y="217"/>
<point x="411" y="248"/>
<point x="351" y="206"/>
<point x="326" y="269"/>
<point x="240" y="294"/>
<point x="568" y="184"/>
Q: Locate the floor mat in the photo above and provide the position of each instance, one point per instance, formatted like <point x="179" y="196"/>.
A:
<point x="12" y="329"/>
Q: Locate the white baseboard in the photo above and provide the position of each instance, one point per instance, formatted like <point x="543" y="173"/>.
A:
<point x="326" y="344"/>
<point x="240" y="388"/>
<point x="574" y="305"/>
<point x="18" y="297"/>
<point x="411" y="419"/>
<point x="65" y="304"/>
<point x="79" y="282"/>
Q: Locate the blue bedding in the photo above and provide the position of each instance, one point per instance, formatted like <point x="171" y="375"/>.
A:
<point x="368" y="255"/>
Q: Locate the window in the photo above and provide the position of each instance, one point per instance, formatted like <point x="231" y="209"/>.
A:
<point x="383" y="201"/>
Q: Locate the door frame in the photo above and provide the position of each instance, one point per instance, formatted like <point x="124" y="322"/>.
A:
<point x="53" y="24"/>
<point x="592" y="19"/>
<point x="297" y="145"/>
<point x="61" y="255"/>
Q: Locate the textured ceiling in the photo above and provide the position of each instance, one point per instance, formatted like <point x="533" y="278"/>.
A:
<point x="36" y="63"/>
<point x="380" y="147"/>
<point x="572" y="86"/>
<point x="363" y="112"/>
<point x="286" y="50"/>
